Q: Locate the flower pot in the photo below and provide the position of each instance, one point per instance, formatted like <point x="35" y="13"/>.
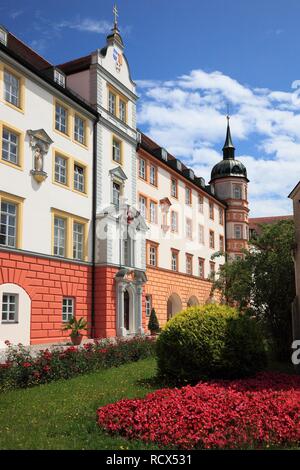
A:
<point x="76" y="339"/>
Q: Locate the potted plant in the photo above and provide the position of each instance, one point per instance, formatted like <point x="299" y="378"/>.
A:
<point x="153" y="324"/>
<point x="76" y="326"/>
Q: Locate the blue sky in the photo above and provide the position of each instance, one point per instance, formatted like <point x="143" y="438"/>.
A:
<point x="190" y="59"/>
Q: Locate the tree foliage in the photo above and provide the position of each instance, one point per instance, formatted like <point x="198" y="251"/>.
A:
<point x="264" y="281"/>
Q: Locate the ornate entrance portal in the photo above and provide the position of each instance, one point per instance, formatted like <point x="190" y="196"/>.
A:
<point x="129" y="285"/>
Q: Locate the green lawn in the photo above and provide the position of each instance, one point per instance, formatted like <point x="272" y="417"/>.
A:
<point x="62" y="415"/>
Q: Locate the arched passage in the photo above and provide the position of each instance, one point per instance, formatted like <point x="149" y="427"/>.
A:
<point x="193" y="301"/>
<point x="174" y="305"/>
<point x="15" y="311"/>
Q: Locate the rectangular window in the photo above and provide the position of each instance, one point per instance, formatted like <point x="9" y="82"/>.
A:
<point x="67" y="309"/>
<point x="153" y="255"/>
<point x="8" y="225"/>
<point x="212" y="268"/>
<point x="11" y="88"/>
<point x="78" y="240"/>
<point x="10" y="146"/>
<point x="201" y="267"/>
<point x="237" y="191"/>
<point x="201" y="203"/>
<point x="148" y="305"/>
<point x="59" y="236"/>
<point x="221" y="216"/>
<point x="122" y="110"/>
<point x="211" y="239"/>
<point x="60" y="169"/>
<point x="221" y="241"/>
<point x="174" y="261"/>
<point x="174" y="187"/>
<point x="112" y="103"/>
<point x="79" y="129"/>
<point x="61" y="118"/>
<point x="201" y="234"/>
<point x="116" y="150"/>
<point x="9" y="308"/>
<point x="153" y="212"/>
<point x="189" y="264"/>
<point x="59" y="78"/>
<point x="211" y="210"/>
<point x="174" y="221"/>
<point x="188" y="196"/>
<point x="142" y="168"/>
<point x="153" y="175"/>
<point x="238" y="232"/>
<point x="116" y="194"/>
<point x="143" y="206"/>
<point x="189" y="229"/>
<point x="79" y="178"/>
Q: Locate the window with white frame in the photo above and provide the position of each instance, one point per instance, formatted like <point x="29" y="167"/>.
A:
<point x="67" y="309"/>
<point x="10" y="146"/>
<point x="116" y="150"/>
<point x="189" y="264"/>
<point x="201" y="234"/>
<point x="59" y="78"/>
<point x="143" y="206"/>
<point x="79" y="129"/>
<point x="237" y="191"/>
<point x="153" y="255"/>
<point x="148" y="305"/>
<point x="174" y="261"/>
<point x="116" y="194"/>
<point x="142" y="168"/>
<point x="189" y="229"/>
<point x="221" y="242"/>
<point x="59" y="248"/>
<point x="153" y="175"/>
<point x="174" y="221"/>
<point x="122" y="110"/>
<point x="211" y="210"/>
<point x="79" y="178"/>
<point x="78" y="240"/>
<point x="201" y="203"/>
<point x="201" y="268"/>
<point x="238" y="232"/>
<point x="9" y="308"/>
<point x="11" y="88"/>
<point x="8" y="224"/>
<point x="61" y="118"/>
<point x="174" y="187"/>
<point x="60" y="169"/>
<point x="153" y="212"/>
<point x="112" y="103"/>
<point x="188" y="196"/>
<point x="211" y="239"/>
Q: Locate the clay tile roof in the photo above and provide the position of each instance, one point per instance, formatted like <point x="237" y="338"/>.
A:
<point x="76" y="65"/>
<point x="28" y="54"/>
<point x="256" y="222"/>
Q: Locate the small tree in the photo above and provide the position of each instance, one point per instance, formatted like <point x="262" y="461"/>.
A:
<point x="153" y="324"/>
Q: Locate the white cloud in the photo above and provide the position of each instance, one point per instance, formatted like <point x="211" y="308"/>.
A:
<point x="186" y="115"/>
<point x="15" y="13"/>
<point x="89" y="25"/>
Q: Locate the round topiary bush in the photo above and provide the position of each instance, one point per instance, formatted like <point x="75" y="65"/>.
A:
<point x="212" y="341"/>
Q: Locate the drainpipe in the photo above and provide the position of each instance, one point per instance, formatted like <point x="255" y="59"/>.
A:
<point x="94" y="208"/>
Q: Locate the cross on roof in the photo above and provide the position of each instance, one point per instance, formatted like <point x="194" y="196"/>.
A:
<point x="115" y="12"/>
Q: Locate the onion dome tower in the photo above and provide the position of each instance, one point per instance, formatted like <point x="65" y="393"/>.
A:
<point x="230" y="183"/>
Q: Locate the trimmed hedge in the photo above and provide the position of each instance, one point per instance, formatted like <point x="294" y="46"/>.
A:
<point x="212" y="341"/>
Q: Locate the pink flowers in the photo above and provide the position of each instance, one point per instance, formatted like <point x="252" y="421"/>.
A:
<point x="251" y="413"/>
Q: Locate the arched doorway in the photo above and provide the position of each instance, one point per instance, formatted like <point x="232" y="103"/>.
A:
<point x="174" y="305"/>
<point x="15" y="311"/>
<point x="193" y="301"/>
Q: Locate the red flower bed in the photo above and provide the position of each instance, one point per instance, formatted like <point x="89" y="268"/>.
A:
<point x="252" y="413"/>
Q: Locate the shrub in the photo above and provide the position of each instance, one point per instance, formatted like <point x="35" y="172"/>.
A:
<point x="153" y="324"/>
<point x="22" y="369"/>
<point x="210" y="341"/>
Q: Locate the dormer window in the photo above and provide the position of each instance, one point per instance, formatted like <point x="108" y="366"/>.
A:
<point x="179" y="165"/>
<point x="3" y="35"/>
<point x="191" y="174"/>
<point x="164" y="154"/>
<point x="59" y="78"/>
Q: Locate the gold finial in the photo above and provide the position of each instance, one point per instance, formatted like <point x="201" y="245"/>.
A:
<point x="115" y="12"/>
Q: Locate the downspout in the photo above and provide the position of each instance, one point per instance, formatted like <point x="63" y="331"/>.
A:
<point x="94" y="209"/>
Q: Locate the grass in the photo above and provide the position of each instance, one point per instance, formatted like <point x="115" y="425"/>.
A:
<point x="62" y="415"/>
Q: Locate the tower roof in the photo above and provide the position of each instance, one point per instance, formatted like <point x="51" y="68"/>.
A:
<point x="228" y="149"/>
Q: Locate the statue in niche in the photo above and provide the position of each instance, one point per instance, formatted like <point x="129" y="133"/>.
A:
<point x="38" y="159"/>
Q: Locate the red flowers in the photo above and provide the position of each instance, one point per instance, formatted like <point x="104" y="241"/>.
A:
<point x="26" y="364"/>
<point x="252" y="413"/>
